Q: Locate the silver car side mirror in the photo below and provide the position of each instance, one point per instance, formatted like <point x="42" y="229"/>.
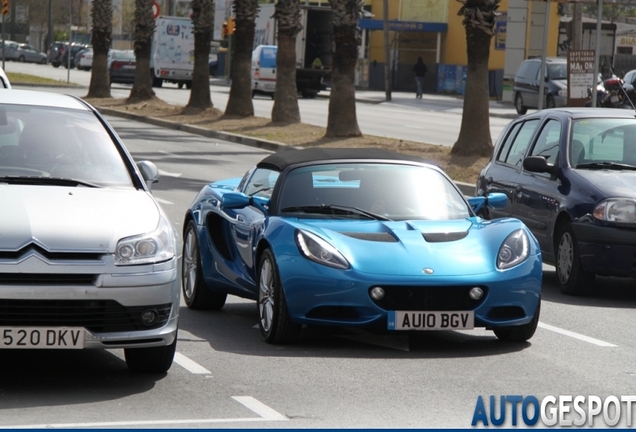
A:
<point x="149" y="172"/>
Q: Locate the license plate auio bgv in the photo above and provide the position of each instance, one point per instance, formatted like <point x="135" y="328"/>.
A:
<point x="431" y="320"/>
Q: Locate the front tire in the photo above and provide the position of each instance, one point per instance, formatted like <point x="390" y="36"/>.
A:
<point x="196" y="294"/>
<point x="572" y="279"/>
<point x="274" y="320"/>
<point x="519" y="333"/>
<point x="151" y="360"/>
<point x="521" y="109"/>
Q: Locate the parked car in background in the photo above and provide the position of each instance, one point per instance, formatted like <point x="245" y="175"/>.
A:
<point x="54" y="53"/>
<point x="84" y="59"/>
<point x="74" y="49"/>
<point x="300" y="234"/>
<point x="89" y="259"/>
<point x="10" y="50"/>
<point x="4" y="80"/>
<point x="570" y="176"/>
<point x="528" y="79"/>
<point x="29" y="54"/>
<point x="213" y="65"/>
<point x="121" y="66"/>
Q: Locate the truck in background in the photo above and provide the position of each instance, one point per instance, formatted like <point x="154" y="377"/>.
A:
<point x="172" y="52"/>
<point x="313" y="48"/>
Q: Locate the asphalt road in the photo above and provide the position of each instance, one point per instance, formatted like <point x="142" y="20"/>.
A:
<point x="225" y="375"/>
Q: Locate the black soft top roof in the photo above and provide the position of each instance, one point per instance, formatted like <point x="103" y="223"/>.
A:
<point x="281" y="160"/>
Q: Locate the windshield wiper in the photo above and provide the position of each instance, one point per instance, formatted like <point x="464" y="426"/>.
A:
<point x="53" y="181"/>
<point x="333" y="207"/>
<point x="607" y="165"/>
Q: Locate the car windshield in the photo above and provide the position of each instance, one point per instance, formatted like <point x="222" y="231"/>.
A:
<point x="603" y="143"/>
<point x="52" y="143"/>
<point x="123" y="55"/>
<point x="558" y="71"/>
<point x="383" y="191"/>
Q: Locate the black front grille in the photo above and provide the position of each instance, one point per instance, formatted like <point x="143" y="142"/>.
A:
<point x="53" y="256"/>
<point x="46" y="279"/>
<point x="428" y="298"/>
<point x="99" y="316"/>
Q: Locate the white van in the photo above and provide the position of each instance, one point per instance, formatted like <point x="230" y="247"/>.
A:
<point x="264" y="70"/>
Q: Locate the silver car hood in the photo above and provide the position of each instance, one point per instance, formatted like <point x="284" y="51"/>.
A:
<point x="73" y="219"/>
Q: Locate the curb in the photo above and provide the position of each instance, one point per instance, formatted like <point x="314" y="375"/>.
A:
<point x="466" y="188"/>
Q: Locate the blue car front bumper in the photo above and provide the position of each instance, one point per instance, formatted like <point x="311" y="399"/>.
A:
<point x="321" y="295"/>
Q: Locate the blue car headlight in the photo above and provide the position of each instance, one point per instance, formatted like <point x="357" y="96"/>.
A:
<point x="620" y="210"/>
<point x="514" y="250"/>
<point x="153" y="247"/>
<point x="318" y="250"/>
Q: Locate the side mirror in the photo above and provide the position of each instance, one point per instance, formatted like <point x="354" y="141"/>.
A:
<point x="537" y="164"/>
<point x="235" y="200"/>
<point x="496" y="200"/>
<point x="149" y="172"/>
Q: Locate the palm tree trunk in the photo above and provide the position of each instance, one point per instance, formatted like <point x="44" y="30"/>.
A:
<point x="285" y="108"/>
<point x="203" y="20"/>
<point x="343" y="120"/>
<point x="144" y="29"/>
<point x="474" y="134"/>
<point x="102" y="15"/>
<point x="240" y="102"/>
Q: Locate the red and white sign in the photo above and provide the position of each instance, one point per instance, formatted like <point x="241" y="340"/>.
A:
<point x="156" y="10"/>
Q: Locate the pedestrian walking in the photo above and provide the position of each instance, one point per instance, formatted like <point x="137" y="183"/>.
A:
<point x="420" y="72"/>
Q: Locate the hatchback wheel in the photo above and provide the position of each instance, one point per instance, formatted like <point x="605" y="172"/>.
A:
<point x="21" y="59"/>
<point x="572" y="279"/>
<point x="519" y="333"/>
<point x="195" y="292"/>
<point x="150" y="360"/>
<point x="521" y="109"/>
<point x="274" y="320"/>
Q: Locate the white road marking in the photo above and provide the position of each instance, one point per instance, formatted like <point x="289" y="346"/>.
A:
<point x="169" y="174"/>
<point x="265" y="413"/>
<point x="259" y="408"/>
<point x="189" y="365"/>
<point x="163" y="201"/>
<point x="169" y="154"/>
<point x="576" y="335"/>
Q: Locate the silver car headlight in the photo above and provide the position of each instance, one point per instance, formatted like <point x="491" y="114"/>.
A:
<point x="318" y="250"/>
<point x="621" y="210"/>
<point x="514" y="250"/>
<point x="156" y="246"/>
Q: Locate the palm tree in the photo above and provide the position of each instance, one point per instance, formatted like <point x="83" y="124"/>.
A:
<point x="240" y="102"/>
<point x="142" y="36"/>
<point x="342" y="120"/>
<point x="287" y="17"/>
<point x="474" y="134"/>
<point x="203" y="23"/>
<point x="102" y="16"/>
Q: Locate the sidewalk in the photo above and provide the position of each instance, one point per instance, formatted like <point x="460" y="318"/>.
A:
<point x="429" y="101"/>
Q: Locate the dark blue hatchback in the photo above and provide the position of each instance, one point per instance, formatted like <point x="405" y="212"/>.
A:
<point x="570" y="176"/>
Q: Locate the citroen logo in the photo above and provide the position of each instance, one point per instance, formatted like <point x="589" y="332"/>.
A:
<point x="427" y="270"/>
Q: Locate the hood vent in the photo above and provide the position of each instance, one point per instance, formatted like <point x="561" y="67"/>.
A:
<point x="372" y="236"/>
<point x="444" y="237"/>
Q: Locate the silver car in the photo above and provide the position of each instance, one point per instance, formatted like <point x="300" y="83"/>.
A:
<point x="88" y="259"/>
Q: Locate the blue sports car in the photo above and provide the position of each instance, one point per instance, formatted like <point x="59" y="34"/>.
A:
<point x="359" y="238"/>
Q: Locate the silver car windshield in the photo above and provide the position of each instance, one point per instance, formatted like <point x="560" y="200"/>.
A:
<point x="382" y="191"/>
<point x="52" y="143"/>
